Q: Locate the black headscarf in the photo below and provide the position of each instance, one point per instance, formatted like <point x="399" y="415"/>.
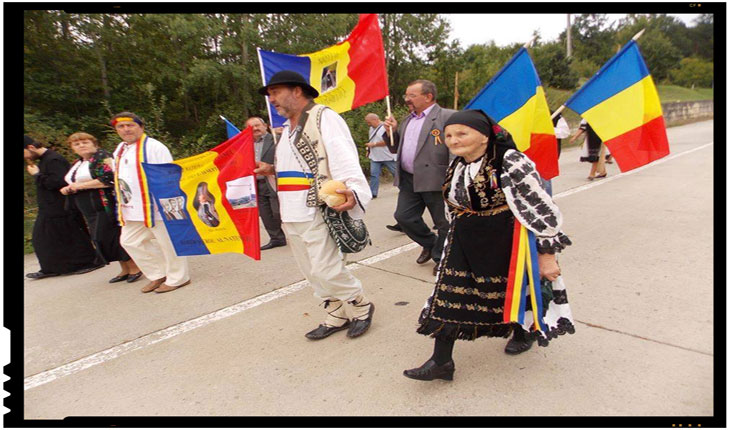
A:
<point x="485" y="125"/>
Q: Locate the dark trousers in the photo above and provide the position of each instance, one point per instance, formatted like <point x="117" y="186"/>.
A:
<point x="409" y="214"/>
<point x="269" y="212"/>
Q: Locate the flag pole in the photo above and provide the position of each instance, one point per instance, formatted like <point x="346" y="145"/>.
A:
<point x="456" y="90"/>
<point x="638" y="35"/>
<point x="529" y="42"/>
<point x="560" y="109"/>
<point x="387" y="106"/>
<point x="263" y="80"/>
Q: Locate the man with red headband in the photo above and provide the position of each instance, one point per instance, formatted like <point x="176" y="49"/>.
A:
<point x="144" y="235"/>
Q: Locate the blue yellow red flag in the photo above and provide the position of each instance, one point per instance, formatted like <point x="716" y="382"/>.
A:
<point x="346" y="75"/>
<point x="208" y="201"/>
<point x="622" y="105"/>
<point x="231" y="129"/>
<point x="514" y="97"/>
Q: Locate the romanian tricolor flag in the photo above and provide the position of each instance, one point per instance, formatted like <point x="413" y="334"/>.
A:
<point x="523" y="280"/>
<point x="208" y="201"/>
<point x="347" y="75"/>
<point x="516" y="100"/>
<point x="621" y="104"/>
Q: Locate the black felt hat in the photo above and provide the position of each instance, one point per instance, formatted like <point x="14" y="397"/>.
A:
<point x="289" y="77"/>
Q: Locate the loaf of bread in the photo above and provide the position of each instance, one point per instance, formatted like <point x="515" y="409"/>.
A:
<point x="328" y="193"/>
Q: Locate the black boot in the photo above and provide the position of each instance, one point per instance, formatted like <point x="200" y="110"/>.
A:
<point x="519" y="342"/>
<point x="439" y="366"/>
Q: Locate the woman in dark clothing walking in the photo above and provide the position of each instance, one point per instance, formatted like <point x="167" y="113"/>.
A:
<point x="60" y="241"/>
<point x="488" y="186"/>
<point x="90" y="189"/>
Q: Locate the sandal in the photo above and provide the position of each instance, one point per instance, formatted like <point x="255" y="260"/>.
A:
<point x="601" y="176"/>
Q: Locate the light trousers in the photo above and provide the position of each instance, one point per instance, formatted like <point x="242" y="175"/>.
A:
<point x="320" y="260"/>
<point x="154" y="253"/>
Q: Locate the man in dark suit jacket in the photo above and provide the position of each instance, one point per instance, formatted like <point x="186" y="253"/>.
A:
<point x="423" y="159"/>
<point x="268" y="201"/>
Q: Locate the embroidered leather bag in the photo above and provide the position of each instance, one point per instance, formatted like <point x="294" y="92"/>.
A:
<point x="349" y="234"/>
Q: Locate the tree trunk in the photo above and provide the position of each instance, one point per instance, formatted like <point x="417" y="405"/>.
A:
<point x="102" y="67"/>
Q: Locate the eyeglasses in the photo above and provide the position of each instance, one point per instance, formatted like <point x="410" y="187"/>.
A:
<point x="410" y="96"/>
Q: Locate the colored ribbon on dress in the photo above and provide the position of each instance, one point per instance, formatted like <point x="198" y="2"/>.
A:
<point x="141" y="157"/>
<point x="523" y="279"/>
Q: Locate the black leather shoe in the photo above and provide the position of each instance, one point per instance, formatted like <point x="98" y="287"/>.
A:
<point x="119" y="278"/>
<point x="430" y="371"/>
<point x="359" y="327"/>
<point x="323" y="331"/>
<point x="134" y="276"/>
<point x="425" y="256"/>
<point x="87" y="269"/>
<point x="40" y="275"/>
<point x="272" y="245"/>
<point x="395" y="227"/>
<point x="518" y="344"/>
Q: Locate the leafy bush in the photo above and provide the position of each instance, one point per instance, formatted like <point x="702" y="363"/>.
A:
<point x="693" y="72"/>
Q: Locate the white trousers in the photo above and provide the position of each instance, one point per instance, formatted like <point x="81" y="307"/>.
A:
<point x="154" y="253"/>
<point x="320" y="260"/>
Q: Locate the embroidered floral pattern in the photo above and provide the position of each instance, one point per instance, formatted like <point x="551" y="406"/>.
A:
<point x="470" y="307"/>
<point x="531" y="204"/>
<point x="470" y="291"/>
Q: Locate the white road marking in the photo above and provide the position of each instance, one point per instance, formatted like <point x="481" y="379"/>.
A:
<point x="596" y="183"/>
<point x="177" y="329"/>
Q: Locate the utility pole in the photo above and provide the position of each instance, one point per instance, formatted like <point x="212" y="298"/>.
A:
<point x="568" y="39"/>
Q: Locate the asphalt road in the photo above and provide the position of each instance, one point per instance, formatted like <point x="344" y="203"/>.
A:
<point x="639" y="280"/>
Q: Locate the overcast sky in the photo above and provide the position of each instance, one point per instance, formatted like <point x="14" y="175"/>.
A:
<point x="505" y="29"/>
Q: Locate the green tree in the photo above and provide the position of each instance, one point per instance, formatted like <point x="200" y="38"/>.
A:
<point x="660" y="54"/>
<point x="552" y="66"/>
<point x="411" y="43"/>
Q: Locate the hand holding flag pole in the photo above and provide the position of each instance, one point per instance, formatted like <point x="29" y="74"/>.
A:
<point x="390" y="129"/>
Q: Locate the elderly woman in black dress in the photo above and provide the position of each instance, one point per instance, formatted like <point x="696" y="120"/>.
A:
<point x="91" y="189"/>
<point x="488" y="185"/>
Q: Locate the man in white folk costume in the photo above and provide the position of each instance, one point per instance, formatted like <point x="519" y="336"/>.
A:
<point x="316" y="146"/>
<point x="144" y="235"/>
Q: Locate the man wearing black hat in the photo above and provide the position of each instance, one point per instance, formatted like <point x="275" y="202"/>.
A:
<point x="60" y="240"/>
<point x="316" y="146"/>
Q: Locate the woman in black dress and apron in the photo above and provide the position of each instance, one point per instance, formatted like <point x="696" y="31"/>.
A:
<point x="91" y="189"/>
<point x="489" y="185"/>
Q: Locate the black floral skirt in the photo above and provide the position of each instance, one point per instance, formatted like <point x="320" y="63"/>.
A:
<point x="468" y="299"/>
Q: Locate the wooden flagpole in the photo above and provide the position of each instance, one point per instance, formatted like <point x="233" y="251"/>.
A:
<point x="387" y="106"/>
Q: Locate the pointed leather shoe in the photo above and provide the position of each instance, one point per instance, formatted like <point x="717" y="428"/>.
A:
<point x="430" y="371"/>
<point x="119" y="278"/>
<point x="164" y="288"/>
<point x="40" y="275"/>
<point x="425" y="256"/>
<point x="153" y="285"/>
<point x="272" y="245"/>
<point x="323" y="331"/>
<point x="134" y="276"/>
